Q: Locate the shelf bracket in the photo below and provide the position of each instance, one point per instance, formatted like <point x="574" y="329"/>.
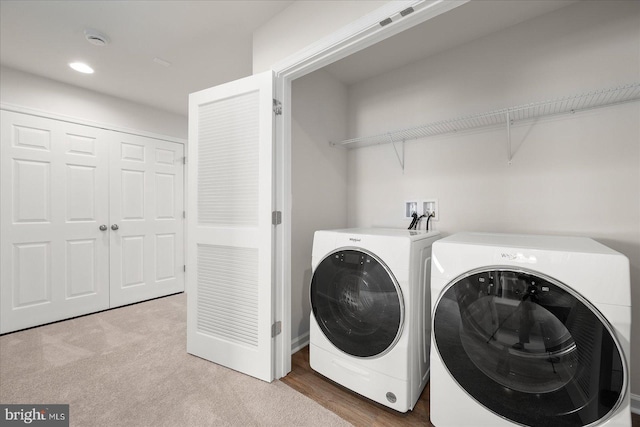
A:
<point x="509" y="152"/>
<point x="400" y="156"/>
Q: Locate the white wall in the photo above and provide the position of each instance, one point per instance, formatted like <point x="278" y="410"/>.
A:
<point x="34" y="92"/>
<point x="319" y="179"/>
<point x="302" y="24"/>
<point x="573" y="175"/>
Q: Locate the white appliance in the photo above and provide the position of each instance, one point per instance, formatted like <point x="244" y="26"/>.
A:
<point x="370" y="323"/>
<point x="529" y="330"/>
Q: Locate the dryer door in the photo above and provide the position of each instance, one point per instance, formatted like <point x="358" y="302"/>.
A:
<point x="357" y="303"/>
<point x="529" y="348"/>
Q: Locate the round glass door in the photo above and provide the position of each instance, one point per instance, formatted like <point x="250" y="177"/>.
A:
<point x="357" y="303"/>
<point x="529" y="349"/>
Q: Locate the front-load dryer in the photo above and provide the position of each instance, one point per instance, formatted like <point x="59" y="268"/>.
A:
<point x="370" y="322"/>
<point x="529" y="330"/>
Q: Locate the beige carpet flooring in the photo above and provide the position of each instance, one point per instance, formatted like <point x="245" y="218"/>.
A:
<point x="129" y="367"/>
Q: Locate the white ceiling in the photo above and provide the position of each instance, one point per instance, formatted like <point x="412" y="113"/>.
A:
<point x="463" y="24"/>
<point x="206" y="42"/>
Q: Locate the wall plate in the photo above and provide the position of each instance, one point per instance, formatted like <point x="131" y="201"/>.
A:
<point x="410" y="207"/>
<point x="430" y="206"/>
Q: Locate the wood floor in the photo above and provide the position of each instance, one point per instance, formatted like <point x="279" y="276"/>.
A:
<point x="354" y="408"/>
<point x="350" y="406"/>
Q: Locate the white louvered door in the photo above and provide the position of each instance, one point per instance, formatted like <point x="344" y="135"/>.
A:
<point x="230" y="235"/>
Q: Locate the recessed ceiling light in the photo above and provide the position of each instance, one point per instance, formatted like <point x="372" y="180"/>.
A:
<point x="81" y="67"/>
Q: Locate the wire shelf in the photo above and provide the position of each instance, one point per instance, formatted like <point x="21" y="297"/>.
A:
<point x="507" y="116"/>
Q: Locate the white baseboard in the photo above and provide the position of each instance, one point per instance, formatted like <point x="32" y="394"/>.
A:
<point x="299" y="342"/>
<point x="635" y="403"/>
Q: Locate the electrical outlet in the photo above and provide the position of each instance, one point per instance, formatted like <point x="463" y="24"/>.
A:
<point x="430" y="206"/>
<point x="410" y="208"/>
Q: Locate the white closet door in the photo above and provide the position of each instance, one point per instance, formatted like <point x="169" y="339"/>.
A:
<point x="54" y="194"/>
<point x="230" y="235"/>
<point x="147" y="239"/>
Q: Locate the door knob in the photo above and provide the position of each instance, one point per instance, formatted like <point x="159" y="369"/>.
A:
<point x="103" y="227"/>
<point x="114" y="227"/>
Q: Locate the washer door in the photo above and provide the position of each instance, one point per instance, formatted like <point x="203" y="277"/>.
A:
<point x="529" y="348"/>
<point x="357" y="303"/>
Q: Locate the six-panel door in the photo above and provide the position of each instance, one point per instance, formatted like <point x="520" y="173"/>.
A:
<point x="55" y="258"/>
<point x="146" y="212"/>
<point x="56" y="225"/>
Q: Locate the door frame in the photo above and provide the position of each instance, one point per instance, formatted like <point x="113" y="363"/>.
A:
<point x="350" y="39"/>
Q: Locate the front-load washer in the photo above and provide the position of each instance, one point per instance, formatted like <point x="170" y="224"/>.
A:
<point x="529" y="330"/>
<point x="370" y="322"/>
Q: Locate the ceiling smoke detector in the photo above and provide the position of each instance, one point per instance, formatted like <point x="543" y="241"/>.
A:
<point x="96" y="38"/>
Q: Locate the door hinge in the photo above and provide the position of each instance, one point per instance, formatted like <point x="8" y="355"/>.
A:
<point x="277" y="107"/>
<point x="184" y="214"/>
<point x="276" y="217"/>
<point x="184" y="160"/>
<point x="184" y="268"/>
<point x="276" y="328"/>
